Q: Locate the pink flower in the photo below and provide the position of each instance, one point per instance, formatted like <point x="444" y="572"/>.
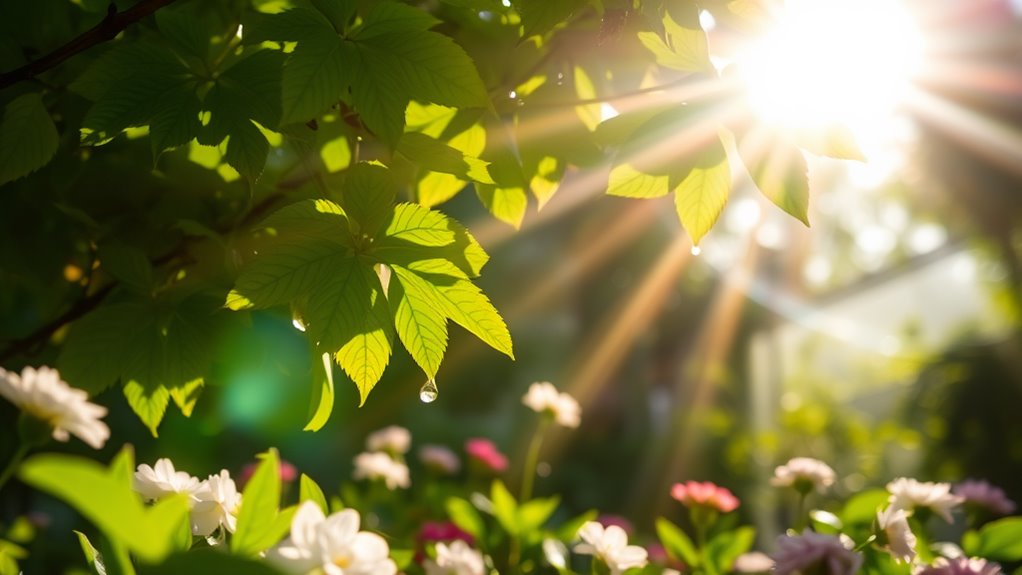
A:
<point x="432" y="531"/>
<point x="961" y="566"/>
<point x="983" y="494"/>
<point x="288" y="473"/>
<point x="814" y="553"/>
<point x="706" y="494"/>
<point x="485" y="452"/>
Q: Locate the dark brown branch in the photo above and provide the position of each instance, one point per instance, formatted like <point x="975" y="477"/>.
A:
<point x="111" y="25"/>
<point x="39" y="336"/>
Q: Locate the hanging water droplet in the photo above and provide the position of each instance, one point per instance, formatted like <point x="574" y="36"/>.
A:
<point x="696" y="250"/>
<point x="298" y="323"/>
<point x="429" y="391"/>
<point x="512" y="94"/>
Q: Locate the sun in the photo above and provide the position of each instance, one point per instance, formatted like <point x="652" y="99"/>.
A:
<point x="827" y="62"/>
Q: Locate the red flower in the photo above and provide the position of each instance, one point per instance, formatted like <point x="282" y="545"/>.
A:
<point x="705" y="494"/>
<point x="485" y="452"/>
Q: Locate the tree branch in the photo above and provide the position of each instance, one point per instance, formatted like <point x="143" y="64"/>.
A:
<point x="111" y="25"/>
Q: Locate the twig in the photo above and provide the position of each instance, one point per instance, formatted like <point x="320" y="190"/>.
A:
<point x="112" y="24"/>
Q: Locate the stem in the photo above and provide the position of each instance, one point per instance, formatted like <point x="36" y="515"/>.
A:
<point x="13" y="464"/>
<point x="801" y="517"/>
<point x="532" y="460"/>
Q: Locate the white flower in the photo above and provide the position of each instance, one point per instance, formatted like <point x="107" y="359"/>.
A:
<point x="382" y="466"/>
<point x="803" y="473"/>
<point x="331" y="545"/>
<point x="439" y="458"/>
<point x="909" y="494"/>
<point x="394" y="440"/>
<point x="896" y="536"/>
<point x="455" y="559"/>
<point x="42" y="394"/>
<point x="216" y="503"/>
<point x="611" y="546"/>
<point x="543" y="397"/>
<point x="161" y="480"/>
<point x="753" y="562"/>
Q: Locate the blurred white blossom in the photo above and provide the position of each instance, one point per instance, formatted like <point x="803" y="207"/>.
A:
<point x="381" y="466"/>
<point x="439" y="458"/>
<point x="543" y="397"/>
<point x="395" y="440"/>
<point x="909" y="494"/>
<point x="753" y="562"/>
<point x="216" y="504"/>
<point x="43" y="395"/>
<point x="162" y="479"/>
<point x="961" y="566"/>
<point x="895" y="534"/>
<point x="804" y="474"/>
<point x="611" y="546"/>
<point x="331" y="545"/>
<point x="455" y="559"/>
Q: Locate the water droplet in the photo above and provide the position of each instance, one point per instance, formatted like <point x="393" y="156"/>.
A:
<point x="429" y="392"/>
<point x="298" y="323"/>
<point x="696" y="250"/>
<point x="512" y="94"/>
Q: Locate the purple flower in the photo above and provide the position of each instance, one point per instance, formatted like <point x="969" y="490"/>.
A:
<point x="814" y="553"/>
<point x="961" y="566"/>
<point x="981" y="493"/>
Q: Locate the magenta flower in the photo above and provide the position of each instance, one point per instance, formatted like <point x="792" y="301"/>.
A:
<point x="961" y="566"/>
<point x="485" y="452"/>
<point x="288" y="473"/>
<point x="814" y="553"/>
<point x="705" y="494"/>
<point x="433" y="531"/>
<point x="983" y="494"/>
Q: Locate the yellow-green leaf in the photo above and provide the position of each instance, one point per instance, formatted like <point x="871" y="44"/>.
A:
<point x="701" y="196"/>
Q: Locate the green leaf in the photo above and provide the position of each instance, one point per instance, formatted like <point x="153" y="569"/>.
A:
<point x="683" y="46"/>
<point x="413" y="224"/>
<point x="505" y="508"/>
<point x="317" y="74"/>
<point x="368" y="196"/>
<point x="677" y="544"/>
<point x="464" y="303"/>
<point x="701" y="196"/>
<point x="92" y="557"/>
<point x="726" y="547"/>
<point x="28" y="138"/>
<point x="259" y="508"/>
<point x="834" y="141"/>
<point x="322" y="403"/>
<point x="209" y="561"/>
<point x="418" y="319"/>
<point x="465" y="516"/>
<point x="175" y="120"/>
<point x="568" y="531"/>
<point x="339" y="12"/>
<point x="628" y="182"/>
<point x="540" y="16"/>
<point x="290" y="268"/>
<point x="862" y="508"/>
<point x="390" y="17"/>
<point x="432" y="154"/>
<point x="533" y="514"/>
<point x="148" y="402"/>
<point x="106" y="498"/>
<point x="128" y="264"/>
<point x="294" y="24"/>
<point x="506" y="204"/>
<point x="780" y="172"/>
<point x="186" y="395"/>
<point x="353" y="315"/>
<point x="309" y="490"/>
<point x="1001" y="540"/>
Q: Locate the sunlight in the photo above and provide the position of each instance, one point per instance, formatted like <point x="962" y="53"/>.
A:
<point x="829" y="62"/>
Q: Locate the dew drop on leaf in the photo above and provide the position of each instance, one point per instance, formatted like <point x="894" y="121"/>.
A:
<point x="428" y="392"/>
<point x="298" y="323"/>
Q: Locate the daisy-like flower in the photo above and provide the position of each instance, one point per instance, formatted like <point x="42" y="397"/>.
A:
<point x="814" y="553"/>
<point x="216" y="504"/>
<point x="983" y="494"/>
<point x="486" y="453"/>
<point x="611" y="546"/>
<point x="43" y="395"/>
<point x="455" y="559"/>
<point x="894" y="534"/>
<point x="543" y="397"/>
<point x="961" y="566"/>
<point x="804" y="474"/>
<point x="395" y="440"/>
<point x="439" y="459"/>
<point x="331" y="545"/>
<point x="162" y="479"/>
<point x="705" y="494"/>
<point x="909" y="494"/>
<point x="381" y="466"/>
